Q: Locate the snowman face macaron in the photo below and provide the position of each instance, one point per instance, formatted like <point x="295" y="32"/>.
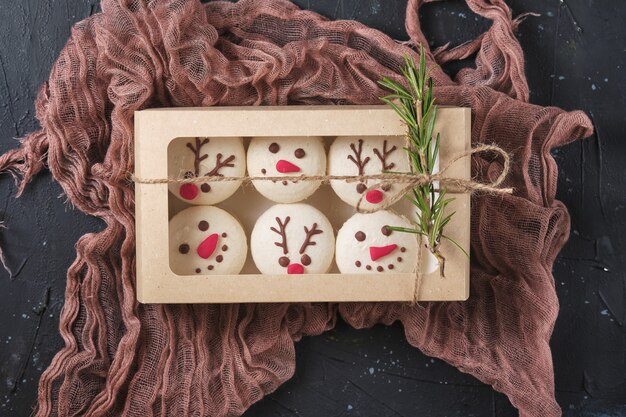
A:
<point x="206" y="240"/>
<point x="353" y="155"/>
<point x="206" y="157"/>
<point x="288" y="157"/>
<point x="365" y="243"/>
<point x="292" y="239"/>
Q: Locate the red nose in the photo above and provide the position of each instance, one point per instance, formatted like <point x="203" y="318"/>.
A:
<point x="285" y="167"/>
<point x="374" y="196"/>
<point x="188" y="191"/>
<point x="207" y="247"/>
<point x="377" y="252"/>
<point x="295" y="269"/>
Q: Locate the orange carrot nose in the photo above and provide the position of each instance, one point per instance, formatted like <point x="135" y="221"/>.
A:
<point x="374" y="196"/>
<point x="295" y="269"/>
<point x="207" y="247"/>
<point x="285" y="167"/>
<point x="377" y="252"/>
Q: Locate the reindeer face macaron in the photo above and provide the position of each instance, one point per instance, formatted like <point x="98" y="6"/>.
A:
<point x="286" y="157"/>
<point x="206" y="157"/>
<point x="292" y="239"/>
<point x="365" y="243"/>
<point x="353" y="155"/>
<point x="206" y="240"/>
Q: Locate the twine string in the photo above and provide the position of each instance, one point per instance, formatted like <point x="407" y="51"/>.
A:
<point x="453" y="185"/>
<point x="417" y="284"/>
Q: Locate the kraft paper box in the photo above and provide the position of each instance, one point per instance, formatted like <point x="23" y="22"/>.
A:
<point x="155" y="205"/>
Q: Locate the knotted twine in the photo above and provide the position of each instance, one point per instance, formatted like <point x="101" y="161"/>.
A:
<point x="408" y="180"/>
<point x="122" y="358"/>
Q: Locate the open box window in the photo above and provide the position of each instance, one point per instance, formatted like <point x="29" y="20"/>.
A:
<point x="282" y="239"/>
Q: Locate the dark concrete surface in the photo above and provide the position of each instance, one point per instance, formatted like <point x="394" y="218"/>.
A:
<point x="576" y="59"/>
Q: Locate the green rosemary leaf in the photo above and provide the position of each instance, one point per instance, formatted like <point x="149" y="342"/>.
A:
<point x="396" y="87"/>
<point x="455" y="244"/>
<point x="406" y="118"/>
<point x="406" y="230"/>
<point x="411" y="199"/>
<point x="447" y="219"/>
<point x="435" y="153"/>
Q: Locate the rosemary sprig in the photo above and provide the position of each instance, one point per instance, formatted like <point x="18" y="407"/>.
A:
<point x="416" y="107"/>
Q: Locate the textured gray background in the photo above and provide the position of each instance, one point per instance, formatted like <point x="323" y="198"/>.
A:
<point x="576" y="53"/>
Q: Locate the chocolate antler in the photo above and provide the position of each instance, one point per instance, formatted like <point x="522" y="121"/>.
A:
<point x="283" y="235"/>
<point x="357" y="157"/>
<point x="219" y="164"/>
<point x="196" y="152"/>
<point x="309" y="234"/>
<point x="383" y="156"/>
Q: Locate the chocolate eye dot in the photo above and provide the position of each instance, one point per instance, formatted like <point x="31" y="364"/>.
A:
<point x="283" y="261"/>
<point x="184" y="248"/>
<point x="274" y="147"/>
<point x="385" y="230"/>
<point x="203" y="225"/>
<point x="385" y="187"/>
<point x="360" y="236"/>
<point x="205" y="188"/>
<point x="360" y="188"/>
<point x="305" y="260"/>
<point x="299" y="153"/>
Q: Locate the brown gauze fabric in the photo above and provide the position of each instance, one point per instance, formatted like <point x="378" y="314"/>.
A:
<point x="123" y="358"/>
